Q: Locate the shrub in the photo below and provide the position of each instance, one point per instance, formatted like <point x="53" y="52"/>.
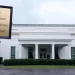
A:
<point x="38" y="62"/>
<point x="1" y="59"/>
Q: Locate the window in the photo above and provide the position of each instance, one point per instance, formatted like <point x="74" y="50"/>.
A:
<point x="43" y="50"/>
<point x="30" y="52"/>
<point x="13" y="52"/>
<point x="43" y="53"/>
<point x="73" y="53"/>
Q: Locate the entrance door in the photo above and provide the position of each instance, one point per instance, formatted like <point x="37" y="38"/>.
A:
<point x="56" y="53"/>
<point x="43" y="53"/>
<point x="30" y="52"/>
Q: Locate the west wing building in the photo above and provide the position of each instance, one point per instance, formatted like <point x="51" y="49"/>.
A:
<point x="37" y="41"/>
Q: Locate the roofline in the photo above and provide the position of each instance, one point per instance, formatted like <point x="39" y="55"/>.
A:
<point x="45" y="25"/>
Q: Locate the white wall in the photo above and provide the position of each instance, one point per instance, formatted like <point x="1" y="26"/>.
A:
<point x="73" y="43"/>
<point x="58" y="34"/>
<point x="24" y="52"/>
<point x="63" y="52"/>
<point x="44" y="36"/>
<point x="5" y="48"/>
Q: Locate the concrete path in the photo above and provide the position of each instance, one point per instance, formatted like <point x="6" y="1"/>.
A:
<point x="37" y="72"/>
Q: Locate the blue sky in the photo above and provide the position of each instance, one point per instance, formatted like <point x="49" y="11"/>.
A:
<point x="42" y="11"/>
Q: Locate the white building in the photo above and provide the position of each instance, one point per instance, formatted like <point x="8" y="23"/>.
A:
<point x="36" y="41"/>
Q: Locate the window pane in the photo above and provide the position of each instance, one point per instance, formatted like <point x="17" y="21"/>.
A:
<point x="30" y="49"/>
<point x="40" y="55"/>
<point x="73" y="53"/>
<point x="44" y="55"/>
<point x="73" y="57"/>
<point x="43" y="50"/>
<point x="13" y="52"/>
<point x="30" y="52"/>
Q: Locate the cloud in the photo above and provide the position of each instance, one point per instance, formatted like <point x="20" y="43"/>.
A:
<point x="42" y="11"/>
<point x="55" y="12"/>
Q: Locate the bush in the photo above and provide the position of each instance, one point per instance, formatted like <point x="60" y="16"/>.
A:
<point x="38" y="62"/>
<point x="1" y="59"/>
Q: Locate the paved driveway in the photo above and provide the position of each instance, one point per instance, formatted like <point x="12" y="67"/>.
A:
<point x="37" y="72"/>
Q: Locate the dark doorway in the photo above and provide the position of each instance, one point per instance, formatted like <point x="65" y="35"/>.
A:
<point x="43" y="53"/>
<point x="30" y="52"/>
<point x="56" y="53"/>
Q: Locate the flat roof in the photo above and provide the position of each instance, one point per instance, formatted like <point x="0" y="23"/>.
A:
<point x="45" y="25"/>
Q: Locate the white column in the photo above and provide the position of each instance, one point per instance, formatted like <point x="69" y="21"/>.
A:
<point x="20" y="48"/>
<point x="36" y="51"/>
<point x="69" y="51"/>
<point x="53" y="51"/>
<point x="27" y="52"/>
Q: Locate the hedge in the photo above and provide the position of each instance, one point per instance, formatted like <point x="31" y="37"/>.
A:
<point x="38" y="62"/>
<point x="1" y="59"/>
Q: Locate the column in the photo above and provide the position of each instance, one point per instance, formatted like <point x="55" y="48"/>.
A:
<point x="36" y="51"/>
<point x="53" y="51"/>
<point x="69" y="51"/>
<point x="20" y="48"/>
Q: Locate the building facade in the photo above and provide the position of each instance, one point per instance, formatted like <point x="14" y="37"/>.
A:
<point x="39" y="41"/>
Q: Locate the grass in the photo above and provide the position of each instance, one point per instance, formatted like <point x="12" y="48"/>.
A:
<point x="39" y="67"/>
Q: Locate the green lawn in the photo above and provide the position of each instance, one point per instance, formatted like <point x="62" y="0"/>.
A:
<point x="39" y="67"/>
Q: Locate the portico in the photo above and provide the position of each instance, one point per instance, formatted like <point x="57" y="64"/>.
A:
<point x="40" y="51"/>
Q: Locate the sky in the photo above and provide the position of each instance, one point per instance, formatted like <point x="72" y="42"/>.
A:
<point x="42" y="11"/>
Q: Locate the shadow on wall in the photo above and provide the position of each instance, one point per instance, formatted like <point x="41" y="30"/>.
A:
<point x="56" y="53"/>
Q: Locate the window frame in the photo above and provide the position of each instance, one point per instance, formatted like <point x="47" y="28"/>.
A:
<point x="73" y="53"/>
<point x="13" y="52"/>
